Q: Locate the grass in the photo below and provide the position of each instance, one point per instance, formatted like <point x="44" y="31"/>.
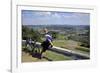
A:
<point x="48" y="56"/>
<point x="71" y="45"/>
<point x="83" y="49"/>
<point x="59" y="43"/>
<point x="28" y="58"/>
<point x="68" y="44"/>
<point x="62" y="37"/>
<point x="56" y="57"/>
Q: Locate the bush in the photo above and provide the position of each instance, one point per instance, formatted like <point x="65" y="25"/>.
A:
<point x="30" y="33"/>
<point x="85" y="45"/>
<point x="54" y="34"/>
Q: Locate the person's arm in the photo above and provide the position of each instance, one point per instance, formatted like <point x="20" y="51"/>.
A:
<point x="51" y="43"/>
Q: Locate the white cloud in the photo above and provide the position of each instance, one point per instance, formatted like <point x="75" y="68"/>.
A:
<point x="42" y="13"/>
<point x="56" y="15"/>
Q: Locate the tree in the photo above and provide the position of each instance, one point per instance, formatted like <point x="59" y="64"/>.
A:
<point x="54" y="34"/>
<point x="30" y="33"/>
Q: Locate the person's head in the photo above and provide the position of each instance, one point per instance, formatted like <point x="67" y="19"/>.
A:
<point x="45" y="30"/>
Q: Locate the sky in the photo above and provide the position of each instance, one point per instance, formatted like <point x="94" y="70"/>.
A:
<point x="31" y="17"/>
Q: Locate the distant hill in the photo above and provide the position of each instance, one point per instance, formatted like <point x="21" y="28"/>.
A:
<point x="59" y="27"/>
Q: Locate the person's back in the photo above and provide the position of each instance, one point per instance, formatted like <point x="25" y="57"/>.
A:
<point x="49" y="39"/>
<point x="47" y="43"/>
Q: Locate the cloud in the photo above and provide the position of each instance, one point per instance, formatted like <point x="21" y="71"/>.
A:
<point x="42" y="13"/>
<point x="56" y="15"/>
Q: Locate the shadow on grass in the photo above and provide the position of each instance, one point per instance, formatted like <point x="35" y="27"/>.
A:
<point x="47" y="58"/>
<point x="38" y="55"/>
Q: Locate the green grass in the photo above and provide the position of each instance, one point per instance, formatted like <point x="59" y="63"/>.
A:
<point x="71" y="45"/>
<point x="48" y="54"/>
<point x="62" y="37"/>
<point x="83" y="49"/>
<point x="67" y="44"/>
<point x="28" y="58"/>
<point x="59" y="43"/>
<point x="56" y="57"/>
